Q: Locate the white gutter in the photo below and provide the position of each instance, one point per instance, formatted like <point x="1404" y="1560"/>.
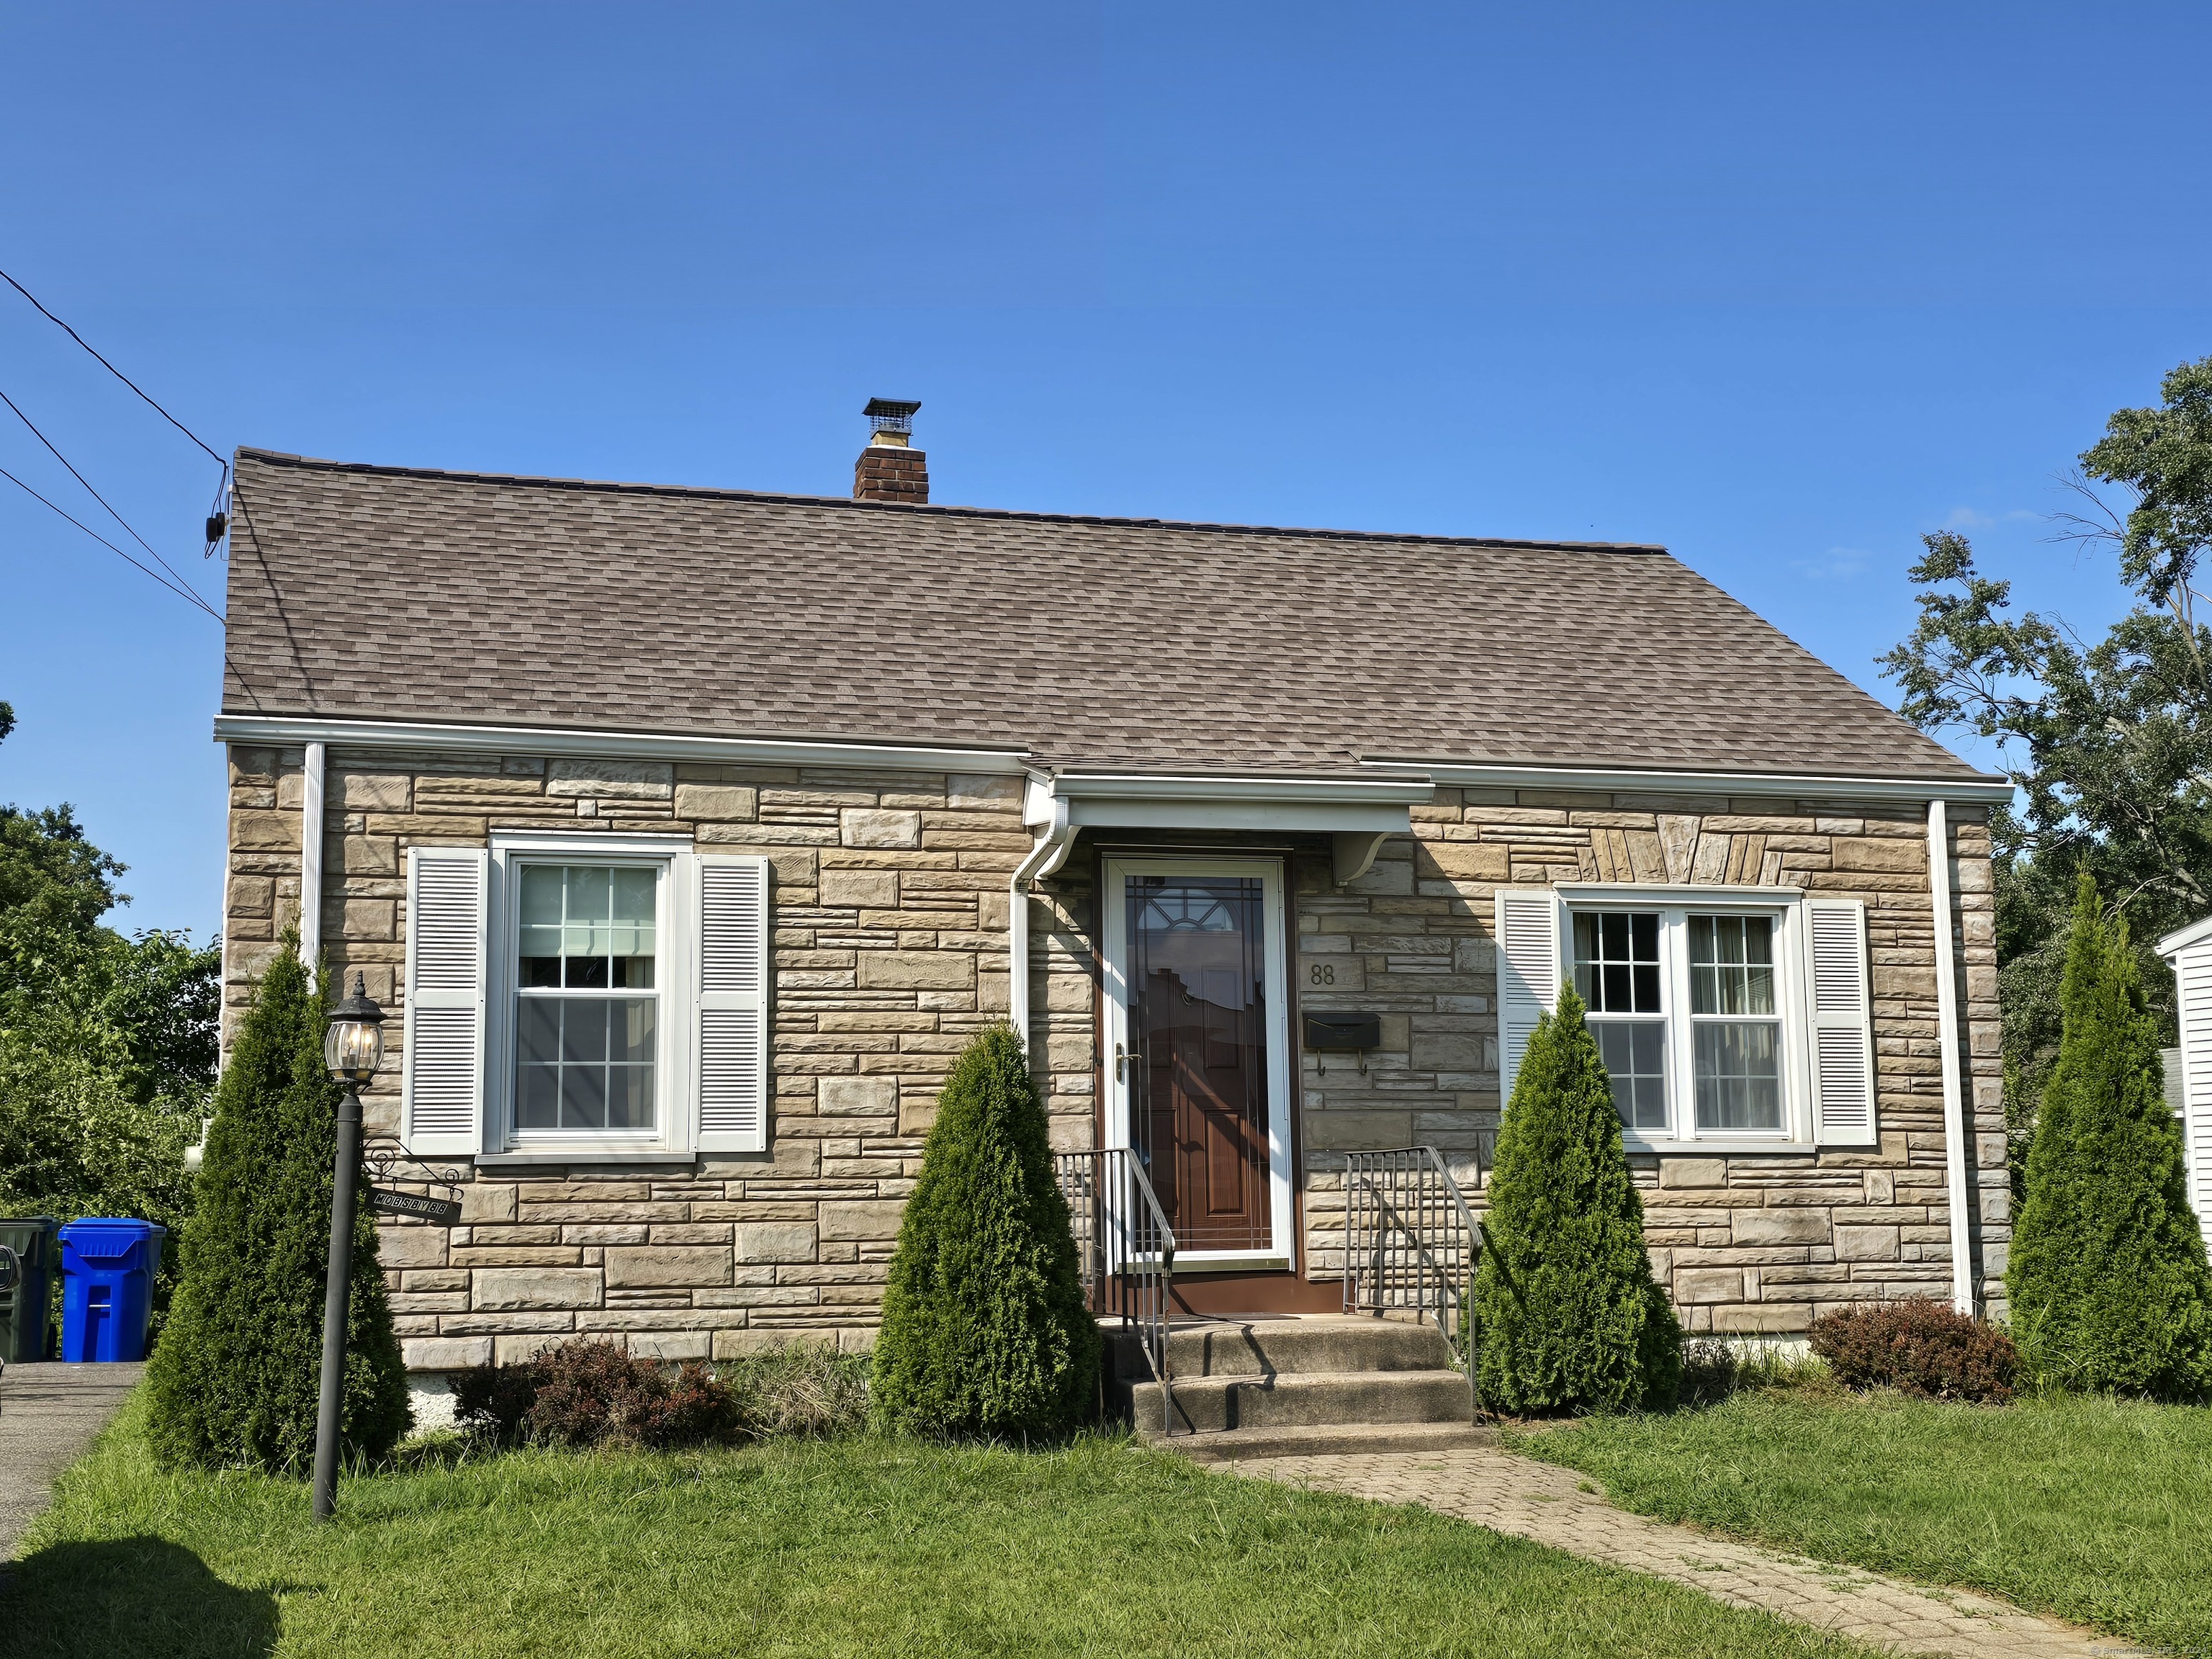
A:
<point x="1047" y="855"/>
<point x="627" y="745"/>
<point x="311" y="861"/>
<point x="1803" y="785"/>
<point x="1947" y="1023"/>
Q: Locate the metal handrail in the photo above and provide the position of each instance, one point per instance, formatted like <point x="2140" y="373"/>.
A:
<point x="1411" y="1243"/>
<point x="1127" y="1251"/>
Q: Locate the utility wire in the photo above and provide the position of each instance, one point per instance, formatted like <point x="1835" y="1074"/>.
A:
<point x="116" y="372"/>
<point x="94" y="494"/>
<point x="184" y="593"/>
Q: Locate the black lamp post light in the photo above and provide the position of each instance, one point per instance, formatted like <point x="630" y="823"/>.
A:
<point x="353" y="1048"/>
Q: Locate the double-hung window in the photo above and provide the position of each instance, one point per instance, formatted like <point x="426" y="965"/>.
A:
<point x="587" y="1021"/>
<point x="584" y="997"/>
<point x="1738" y="1017"/>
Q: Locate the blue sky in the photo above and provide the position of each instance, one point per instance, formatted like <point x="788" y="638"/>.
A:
<point x="1781" y="287"/>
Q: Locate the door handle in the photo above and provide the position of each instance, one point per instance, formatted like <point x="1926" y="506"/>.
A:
<point x="1121" y="1055"/>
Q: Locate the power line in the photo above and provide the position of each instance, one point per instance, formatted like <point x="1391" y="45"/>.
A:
<point x="94" y="494"/>
<point x="184" y="593"/>
<point x="116" y="372"/>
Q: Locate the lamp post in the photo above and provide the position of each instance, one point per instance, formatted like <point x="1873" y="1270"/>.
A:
<point x="353" y="1047"/>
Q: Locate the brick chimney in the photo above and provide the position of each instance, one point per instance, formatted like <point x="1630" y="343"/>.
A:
<point x="890" y="468"/>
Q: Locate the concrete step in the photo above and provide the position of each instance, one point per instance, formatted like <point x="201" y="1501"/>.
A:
<point x="1291" y="1346"/>
<point x="1322" y="1440"/>
<point x="1306" y="1400"/>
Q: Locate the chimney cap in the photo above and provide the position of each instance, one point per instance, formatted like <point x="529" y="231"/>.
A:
<point x="891" y="414"/>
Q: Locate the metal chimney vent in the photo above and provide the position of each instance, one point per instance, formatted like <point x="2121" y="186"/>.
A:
<point x="891" y="414"/>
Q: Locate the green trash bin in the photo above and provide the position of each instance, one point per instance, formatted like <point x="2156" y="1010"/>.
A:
<point x="27" y="1307"/>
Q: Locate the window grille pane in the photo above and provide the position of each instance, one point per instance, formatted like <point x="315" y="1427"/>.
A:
<point x="1617" y="961"/>
<point x="586" y="1062"/>
<point x="1634" y="1056"/>
<point x="1731" y="964"/>
<point x="1739" y="1075"/>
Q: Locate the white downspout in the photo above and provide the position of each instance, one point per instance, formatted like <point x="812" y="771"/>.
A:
<point x="1049" y="853"/>
<point x="1947" y="1020"/>
<point x="311" y="860"/>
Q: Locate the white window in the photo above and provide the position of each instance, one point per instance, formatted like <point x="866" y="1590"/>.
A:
<point x="588" y="1031"/>
<point x="1711" y="1027"/>
<point x="584" y="996"/>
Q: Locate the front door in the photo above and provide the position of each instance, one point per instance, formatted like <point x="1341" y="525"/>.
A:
<point x="1198" y="1030"/>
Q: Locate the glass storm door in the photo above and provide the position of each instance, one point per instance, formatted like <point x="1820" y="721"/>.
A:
<point x="1200" y="1089"/>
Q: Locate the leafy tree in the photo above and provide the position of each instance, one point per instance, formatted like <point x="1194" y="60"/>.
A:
<point x="2108" y="1280"/>
<point x="984" y="1331"/>
<point x="2109" y="742"/>
<point x="1567" y="1316"/>
<point x="107" y="1043"/>
<point x="234" y="1380"/>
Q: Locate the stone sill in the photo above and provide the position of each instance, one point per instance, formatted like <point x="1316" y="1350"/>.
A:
<point x="537" y="1158"/>
<point x="1637" y="1148"/>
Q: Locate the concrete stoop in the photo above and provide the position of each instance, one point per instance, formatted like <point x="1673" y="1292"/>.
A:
<point x="1289" y="1385"/>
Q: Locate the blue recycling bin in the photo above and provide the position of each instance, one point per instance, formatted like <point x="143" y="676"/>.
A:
<point x="107" y="1287"/>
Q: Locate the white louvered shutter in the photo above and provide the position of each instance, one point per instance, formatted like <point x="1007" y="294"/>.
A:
<point x="732" y="1032"/>
<point x="442" y="1104"/>
<point x="1526" y="923"/>
<point x="1843" y="1032"/>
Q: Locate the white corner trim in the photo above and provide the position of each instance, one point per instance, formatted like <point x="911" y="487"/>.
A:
<point x="1946" y="1026"/>
<point x="311" y="862"/>
<point x="570" y="742"/>
<point x="1802" y="785"/>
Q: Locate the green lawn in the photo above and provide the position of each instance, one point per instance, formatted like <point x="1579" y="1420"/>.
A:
<point x="861" y="1547"/>
<point x="2096" y="1510"/>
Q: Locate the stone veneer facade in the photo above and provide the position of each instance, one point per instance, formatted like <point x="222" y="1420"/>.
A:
<point x="890" y="951"/>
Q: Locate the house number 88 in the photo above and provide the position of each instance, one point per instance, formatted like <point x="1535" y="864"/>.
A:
<point x="1322" y="974"/>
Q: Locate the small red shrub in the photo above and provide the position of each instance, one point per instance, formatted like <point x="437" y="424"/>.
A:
<point x="589" y="1392"/>
<point x="1918" y="1347"/>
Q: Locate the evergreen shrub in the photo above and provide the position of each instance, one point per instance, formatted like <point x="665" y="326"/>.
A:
<point x="589" y="1392"/>
<point x="1567" y="1316"/>
<point x="985" y="1333"/>
<point x="1917" y="1346"/>
<point x="2109" y="1285"/>
<point x="235" y="1377"/>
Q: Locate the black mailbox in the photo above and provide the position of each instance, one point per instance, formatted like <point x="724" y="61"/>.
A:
<point x="1343" y="1033"/>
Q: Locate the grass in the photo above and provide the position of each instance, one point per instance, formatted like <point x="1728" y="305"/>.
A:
<point x="2095" y="1510"/>
<point x="854" y="1546"/>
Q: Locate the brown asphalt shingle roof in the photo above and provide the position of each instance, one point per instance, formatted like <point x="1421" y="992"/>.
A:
<point x="393" y="593"/>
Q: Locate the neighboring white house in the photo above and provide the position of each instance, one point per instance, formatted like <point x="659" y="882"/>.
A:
<point x="2189" y="1069"/>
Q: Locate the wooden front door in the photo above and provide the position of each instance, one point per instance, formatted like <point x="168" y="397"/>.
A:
<point x="1197" y="1097"/>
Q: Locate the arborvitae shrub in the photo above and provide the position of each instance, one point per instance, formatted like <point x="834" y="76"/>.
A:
<point x="1567" y="1315"/>
<point x="1917" y="1346"/>
<point x="235" y="1377"/>
<point x="2108" y="1282"/>
<point x="985" y="1333"/>
<point x="588" y="1392"/>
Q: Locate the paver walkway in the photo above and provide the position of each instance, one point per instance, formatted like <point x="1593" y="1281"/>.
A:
<point x="1537" y="1501"/>
<point x="48" y="1414"/>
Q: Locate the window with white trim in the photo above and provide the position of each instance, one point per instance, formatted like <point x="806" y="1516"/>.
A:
<point x="1730" y="1017"/>
<point x="1685" y="1008"/>
<point x="585" y="996"/>
<point x="587" y="1024"/>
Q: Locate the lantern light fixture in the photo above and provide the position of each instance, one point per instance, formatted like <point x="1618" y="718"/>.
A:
<point x="353" y="1047"/>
